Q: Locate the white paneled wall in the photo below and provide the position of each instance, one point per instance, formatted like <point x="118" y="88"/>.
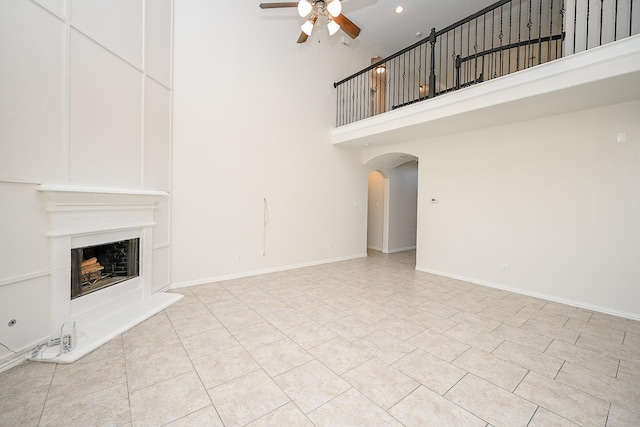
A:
<point x="105" y="115"/>
<point x="58" y="7"/>
<point x="116" y="24"/>
<point x="31" y="314"/>
<point x="85" y="99"/>
<point x="32" y="93"/>
<point x="157" y="135"/>
<point x="24" y="229"/>
<point x="158" y="38"/>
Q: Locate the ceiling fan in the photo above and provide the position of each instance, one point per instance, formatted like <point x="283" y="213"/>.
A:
<point x="329" y="10"/>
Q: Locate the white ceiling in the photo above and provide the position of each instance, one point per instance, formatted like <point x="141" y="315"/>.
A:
<point x="388" y="32"/>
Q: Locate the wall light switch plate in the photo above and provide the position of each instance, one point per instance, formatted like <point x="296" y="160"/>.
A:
<point x="621" y="137"/>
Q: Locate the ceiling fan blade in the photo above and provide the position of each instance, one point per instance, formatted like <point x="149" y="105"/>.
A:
<point x="276" y="5"/>
<point x="347" y="26"/>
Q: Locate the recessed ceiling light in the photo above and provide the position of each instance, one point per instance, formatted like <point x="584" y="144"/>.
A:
<point x="399" y="9"/>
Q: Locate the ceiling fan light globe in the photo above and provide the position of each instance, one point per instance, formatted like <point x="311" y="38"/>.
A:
<point x="304" y="8"/>
<point x="307" y="28"/>
<point x="333" y="27"/>
<point x="334" y="7"/>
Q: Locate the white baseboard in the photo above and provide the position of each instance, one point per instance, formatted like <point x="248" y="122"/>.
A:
<point x="548" y="297"/>
<point x="396" y="250"/>
<point x="20" y="355"/>
<point x="252" y="273"/>
<point x="15" y="360"/>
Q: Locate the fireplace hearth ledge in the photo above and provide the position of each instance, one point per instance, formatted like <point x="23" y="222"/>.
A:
<point x="92" y="334"/>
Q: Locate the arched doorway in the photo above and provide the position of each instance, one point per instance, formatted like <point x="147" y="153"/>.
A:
<point x="393" y="203"/>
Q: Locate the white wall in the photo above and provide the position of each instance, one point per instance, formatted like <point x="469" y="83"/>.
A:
<point x="403" y="207"/>
<point x="375" y="211"/>
<point x="84" y="85"/>
<point x="253" y="111"/>
<point x="555" y="199"/>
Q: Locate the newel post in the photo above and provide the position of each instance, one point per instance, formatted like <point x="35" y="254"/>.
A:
<point x="432" y="66"/>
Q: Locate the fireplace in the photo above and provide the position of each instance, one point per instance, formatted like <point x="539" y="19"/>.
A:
<point x="110" y="233"/>
<point x="100" y="266"/>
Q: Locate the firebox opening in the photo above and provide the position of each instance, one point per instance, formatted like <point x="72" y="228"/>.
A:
<point x="100" y="266"/>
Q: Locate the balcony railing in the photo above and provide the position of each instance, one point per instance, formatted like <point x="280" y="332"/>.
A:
<point x="508" y="36"/>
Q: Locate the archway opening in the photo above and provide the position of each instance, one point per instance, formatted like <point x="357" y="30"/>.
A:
<point x="392" y="218"/>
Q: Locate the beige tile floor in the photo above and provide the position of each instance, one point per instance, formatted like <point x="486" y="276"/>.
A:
<point x="366" y="342"/>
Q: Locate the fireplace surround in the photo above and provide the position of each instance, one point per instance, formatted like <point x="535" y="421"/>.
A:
<point x="86" y="217"/>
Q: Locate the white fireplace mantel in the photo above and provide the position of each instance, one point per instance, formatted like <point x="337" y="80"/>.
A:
<point x="82" y="216"/>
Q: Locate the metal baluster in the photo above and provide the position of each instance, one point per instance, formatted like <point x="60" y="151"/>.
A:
<point x="519" y="35"/>
<point x="587" y="32"/>
<point x="501" y="36"/>
<point x="550" y="29"/>
<point x="601" y="20"/>
<point x="446" y="64"/>
<point x="338" y="107"/>
<point x="466" y="67"/>
<point x="575" y="23"/>
<point x="432" y="67"/>
<point x="352" y="96"/>
<point x="475" y="48"/>
<point x="630" y="17"/>
<point x="394" y="100"/>
<point x="403" y="85"/>
<point x="484" y="41"/>
<point x="510" y="33"/>
<point x="493" y="33"/>
<point x="364" y="88"/>
<point x="440" y="72"/>
<point x="540" y="33"/>
<point x="615" y="22"/>
<point x="563" y="11"/>
<point x="347" y="117"/>
<point x="529" y="25"/>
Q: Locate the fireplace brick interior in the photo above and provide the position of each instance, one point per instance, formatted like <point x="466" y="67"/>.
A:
<point x="99" y="266"/>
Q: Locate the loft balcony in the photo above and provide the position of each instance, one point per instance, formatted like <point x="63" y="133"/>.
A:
<point x="515" y="60"/>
